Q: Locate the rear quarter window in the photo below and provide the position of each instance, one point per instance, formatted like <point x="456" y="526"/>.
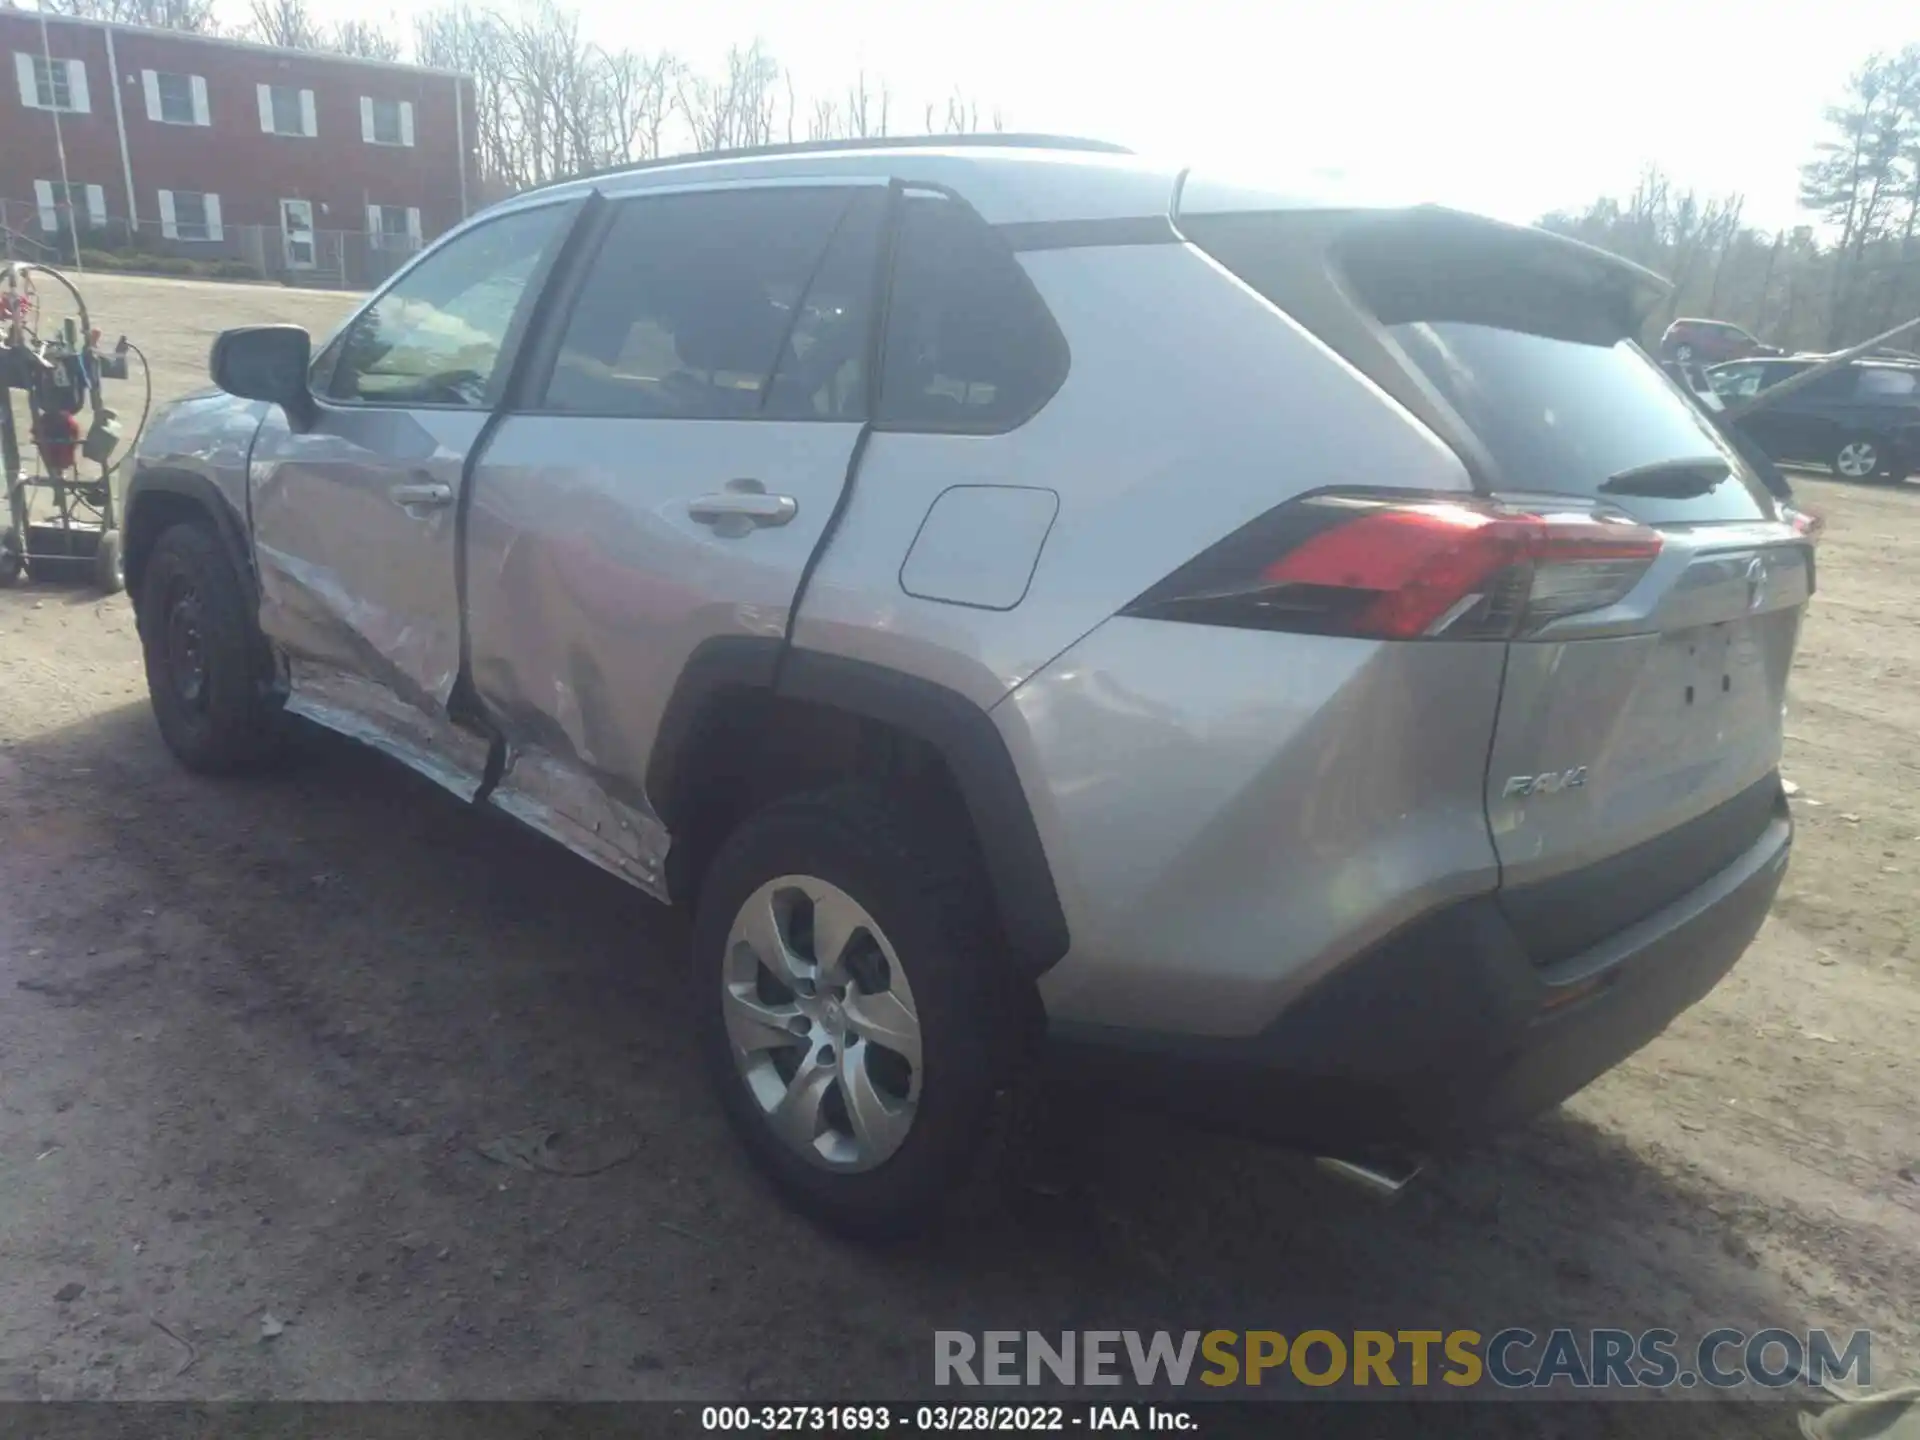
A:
<point x="970" y="346"/>
<point x="1883" y="384"/>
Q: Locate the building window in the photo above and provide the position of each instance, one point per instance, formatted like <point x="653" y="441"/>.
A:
<point x="190" y="215"/>
<point x="386" y="122"/>
<point x="71" y="206"/>
<point x="51" y="84"/>
<point x="176" y="99"/>
<point x="286" y="110"/>
<point x="394" y="227"/>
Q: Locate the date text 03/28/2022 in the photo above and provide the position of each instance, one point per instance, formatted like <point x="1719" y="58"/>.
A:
<point x="944" y="1419"/>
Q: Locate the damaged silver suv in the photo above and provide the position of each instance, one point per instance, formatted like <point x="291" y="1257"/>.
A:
<point x="1298" y="658"/>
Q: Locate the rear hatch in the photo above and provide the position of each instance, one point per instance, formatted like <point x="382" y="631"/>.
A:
<point x="1638" y="736"/>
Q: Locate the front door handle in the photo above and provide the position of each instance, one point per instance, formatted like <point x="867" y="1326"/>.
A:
<point x="427" y="492"/>
<point x="743" y="505"/>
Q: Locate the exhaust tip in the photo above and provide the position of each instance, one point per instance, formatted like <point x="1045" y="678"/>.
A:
<point x="1380" y="1177"/>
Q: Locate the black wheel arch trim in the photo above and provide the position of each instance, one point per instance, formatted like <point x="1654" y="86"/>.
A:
<point x="207" y="497"/>
<point x="960" y="731"/>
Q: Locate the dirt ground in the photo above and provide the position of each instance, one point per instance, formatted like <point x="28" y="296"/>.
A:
<point x="254" y="1038"/>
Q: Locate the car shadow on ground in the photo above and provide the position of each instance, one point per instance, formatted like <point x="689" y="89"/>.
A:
<point x="374" y="984"/>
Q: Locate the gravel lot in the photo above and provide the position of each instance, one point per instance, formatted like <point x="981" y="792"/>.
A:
<point x="255" y="1036"/>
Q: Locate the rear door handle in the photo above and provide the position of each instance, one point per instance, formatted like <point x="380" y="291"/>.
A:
<point x="743" y="505"/>
<point x="426" y="492"/>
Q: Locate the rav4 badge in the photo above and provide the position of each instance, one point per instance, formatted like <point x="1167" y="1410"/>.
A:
<point x="1551" y="783"/>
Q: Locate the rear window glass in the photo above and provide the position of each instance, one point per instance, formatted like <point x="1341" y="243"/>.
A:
<point x="1562" y="416"/>
<point x="1511" y="336"/>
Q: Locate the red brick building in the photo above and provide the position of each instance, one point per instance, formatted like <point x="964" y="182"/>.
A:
<point x="298" y="162"/>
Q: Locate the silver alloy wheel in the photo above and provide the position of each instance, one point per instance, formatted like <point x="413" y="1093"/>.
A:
<point x="822" y="1023"/>
<point x="1857" y="460"/>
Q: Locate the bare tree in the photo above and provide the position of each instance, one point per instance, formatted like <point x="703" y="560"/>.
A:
<point x="961" y="116"/>
<point x="550" y="103"/>
<point x="194" y="17"/>
<point x="362" y="38"/>
<point x="739" y="108"/>
<point x="284" y="22"/>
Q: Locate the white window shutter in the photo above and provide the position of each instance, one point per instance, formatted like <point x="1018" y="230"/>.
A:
<point x="214" y="232"/>
<point x="167" y="226"/>
<point x="23" y="70"/>
<point x="413" y="225"/>
<point x="307" y="125"/>
<point x="201" y="114"/>
<point x="366" y="118"/>
<point x="373" y="222"/>
<point x="406" y="122"/>
<point x="77" y="86"/>
<point x="265" y="94"/>
<point x="43" y="197"/>
<point x="96" y="205"/>
<point x="151" y="82"/>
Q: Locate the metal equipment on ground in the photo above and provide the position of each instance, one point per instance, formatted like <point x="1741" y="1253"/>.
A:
<point x="61" y="522"/>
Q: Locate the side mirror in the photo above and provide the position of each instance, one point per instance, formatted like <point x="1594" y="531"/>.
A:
<point x="267" y="362"/>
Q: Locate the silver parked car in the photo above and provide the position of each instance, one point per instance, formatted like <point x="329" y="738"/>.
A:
<point x="1026" y="600"/>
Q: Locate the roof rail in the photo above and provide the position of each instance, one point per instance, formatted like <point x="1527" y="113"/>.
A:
<point x="985" y="140"/>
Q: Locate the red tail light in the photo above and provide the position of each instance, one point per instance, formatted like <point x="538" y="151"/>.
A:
<point x="1407" y="568"/>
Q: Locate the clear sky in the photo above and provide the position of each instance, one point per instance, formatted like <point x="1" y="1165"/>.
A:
<point x="1509" y="108"/>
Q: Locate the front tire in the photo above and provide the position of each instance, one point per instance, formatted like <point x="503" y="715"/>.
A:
<point x="216" y="710"/>
<point x="13" y="560"/>
<point x="849" y="989"/>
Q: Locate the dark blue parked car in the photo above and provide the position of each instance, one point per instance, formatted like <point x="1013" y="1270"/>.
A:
<point x="1862" y="419"/>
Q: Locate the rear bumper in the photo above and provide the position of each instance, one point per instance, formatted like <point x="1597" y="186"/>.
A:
<point x="1449" y="1030"/>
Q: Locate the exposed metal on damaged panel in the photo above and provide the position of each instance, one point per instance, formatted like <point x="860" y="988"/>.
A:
<point x="370" y="713"/>
<point x="563" y="804"/>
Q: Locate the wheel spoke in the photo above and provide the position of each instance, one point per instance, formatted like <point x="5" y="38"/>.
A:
<point x="836" y="920"/>
<point x="754" y="1025"/>
<point x="885" y="1020"/>
<point x="879" y="1121"/>
<point x="759" y="927"/>
<point x="797" y="1117"/>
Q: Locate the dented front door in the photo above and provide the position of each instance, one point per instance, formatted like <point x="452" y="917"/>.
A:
<point x="355" y="515"/>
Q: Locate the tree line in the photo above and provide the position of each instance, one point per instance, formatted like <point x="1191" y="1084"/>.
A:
<point x="1848" y="273"/>
<point x="549" y="102"/>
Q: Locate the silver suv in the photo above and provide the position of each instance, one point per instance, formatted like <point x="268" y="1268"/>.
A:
<point x="1297" y="658"/>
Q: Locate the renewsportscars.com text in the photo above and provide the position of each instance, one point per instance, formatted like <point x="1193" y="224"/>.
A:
<point x="1509" y="1359"/>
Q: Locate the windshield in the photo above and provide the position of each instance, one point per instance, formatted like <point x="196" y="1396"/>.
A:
<point x="1564" y="416"/>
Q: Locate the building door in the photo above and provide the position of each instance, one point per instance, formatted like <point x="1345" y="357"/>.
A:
<point x="296" y="233"/>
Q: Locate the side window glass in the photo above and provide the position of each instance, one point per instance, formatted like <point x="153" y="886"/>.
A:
<point x="822" y="374"/>
<point x="969" y="345"/>
<point x="695" y="299"/>
<point x="435" y="337"/>
<point x="1735" y="380"/>
<point x="1878" y="384"/>
<point x="1834" y="385"/>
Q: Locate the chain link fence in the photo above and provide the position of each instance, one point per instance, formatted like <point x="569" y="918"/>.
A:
<point x="191" y="247"/>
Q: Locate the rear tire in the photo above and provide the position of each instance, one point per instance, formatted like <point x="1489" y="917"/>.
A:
<point x="13" y="562"/>
<point x="211" y="696"/>
<point x="830" y="918"/>
<point x="1859" y="457"/>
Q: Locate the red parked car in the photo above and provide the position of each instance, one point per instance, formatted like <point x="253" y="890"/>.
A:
<point x="1708" y="342"/>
